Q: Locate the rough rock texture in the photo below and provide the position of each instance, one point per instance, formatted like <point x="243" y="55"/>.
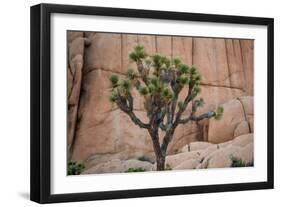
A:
<point x="75" y="41"/>
<point x="241" y="147"/>
<point x="177" y="159"/>
<point x="235" y="121"/>
<point x="118" y="166"/>
<point x="188" y="164"/>
<point x="204" y="155"/>
<point x="194" y="146"/>
<point x="96" y="128"/>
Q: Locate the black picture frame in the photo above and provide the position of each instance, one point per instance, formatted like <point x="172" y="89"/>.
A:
<point x="41" y="99"/>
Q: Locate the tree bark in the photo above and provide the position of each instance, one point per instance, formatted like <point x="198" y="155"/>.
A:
<point x="160" y="156"/>
<point x="160" y="163"/>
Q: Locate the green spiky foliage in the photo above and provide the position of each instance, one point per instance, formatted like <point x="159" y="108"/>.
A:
<point x="219" y="112"/>
<point x="114" y="80"/>
<point x="74" y="167"/>
<point x="130" y="74"/>
<point x="238" y="162"/>
<point x="138" y="169"/>
<point x="138" y="54"/>
<point x="160" y="80"/>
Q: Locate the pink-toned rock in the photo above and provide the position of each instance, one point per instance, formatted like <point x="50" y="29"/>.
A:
<point x="210" y="57"/>
<point x="242" y="128"/>
<point x="96" y="159"/>
<point x="104" y="52"/>
<point x="76" y="47"/>
<point x="182" y="48"/>
<point x="243" y="140"/>
<point x="98" y="139"/>
<point x="73" y="35"/>
<point x="235" y="63"/>
<point x="248" y="106"/>
<point x="188" y="164"/>
<point x="74" y="79"/>
<point x="149" y="43"/>
<point x="222" y="157"/>
<point x="186" y="148"/>
<point x="118" y="166"/>
<point x="240" y="148"/>
<point x="219" y="160"/>
<point x="177" y="159"/>
<point x="205" y="153"/>
<point x="247" y="50"/>
<point x="246" y="154"/>
<point x="195" y="146"/>
<point x="184" y="135"/>
<point x="224" y="144"/>
<point x="128" y="43"/>
<point x="222" y="130"/>
<point x="76" y="65"/>
<point x="215" y="96"/>
<point x="164" y="45"/>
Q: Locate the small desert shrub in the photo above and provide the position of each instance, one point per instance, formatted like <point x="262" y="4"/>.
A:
<point x="168" y="167"/>
<point x="237" y="162"/>
<point x="139" y="169"/>
<point x="75" y="168"/>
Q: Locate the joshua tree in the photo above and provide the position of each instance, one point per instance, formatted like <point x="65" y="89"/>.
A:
<point x="160" y="80"/>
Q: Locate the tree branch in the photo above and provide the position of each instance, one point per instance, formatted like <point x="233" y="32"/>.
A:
<point x="128" y="109"/>
<point x="137" y="121"/>
<point x="169" y="134"/>
<point x="197" y="118"/>
<point x="142" y="71"/>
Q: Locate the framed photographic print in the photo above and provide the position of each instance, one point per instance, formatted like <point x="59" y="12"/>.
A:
<point x="133" y="103"/>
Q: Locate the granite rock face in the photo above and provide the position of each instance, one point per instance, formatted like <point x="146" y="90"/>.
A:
<point x="236" y="120"/>
<point x="97" y="128"/>
<point x="118" y="166"/>
<point x="75" y="42"/>
<point x="203" y="155"/>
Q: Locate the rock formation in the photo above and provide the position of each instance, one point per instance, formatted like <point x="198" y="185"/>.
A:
<point x="200" y="155"/>
<point x="98" y="131"/>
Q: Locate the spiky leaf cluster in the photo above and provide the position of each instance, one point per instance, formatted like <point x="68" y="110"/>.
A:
<point x="130" y="74"/>
<point x="219" y="112"/>
<point x="138" y="53"/>
<point x="114" y="80"/>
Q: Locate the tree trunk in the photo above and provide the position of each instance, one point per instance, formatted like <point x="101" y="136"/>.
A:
<point x="160" y="161"/>
<point x="160" y="157"/>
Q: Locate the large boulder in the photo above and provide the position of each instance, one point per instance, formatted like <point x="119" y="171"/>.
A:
<point x="75" y="42"/>
<point x="243" y="140"/>
<point x="195" y="146"/>
<point x="177" y="159"/>
<point x="248" y="106"/>
<point x="246" y="154"/>
<point x="118" y="166"/>
<point x="234" y="121"/>
<point x="222" y="156"/>
<point x="242" y="128"/>
<point x="187" y="164"/>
